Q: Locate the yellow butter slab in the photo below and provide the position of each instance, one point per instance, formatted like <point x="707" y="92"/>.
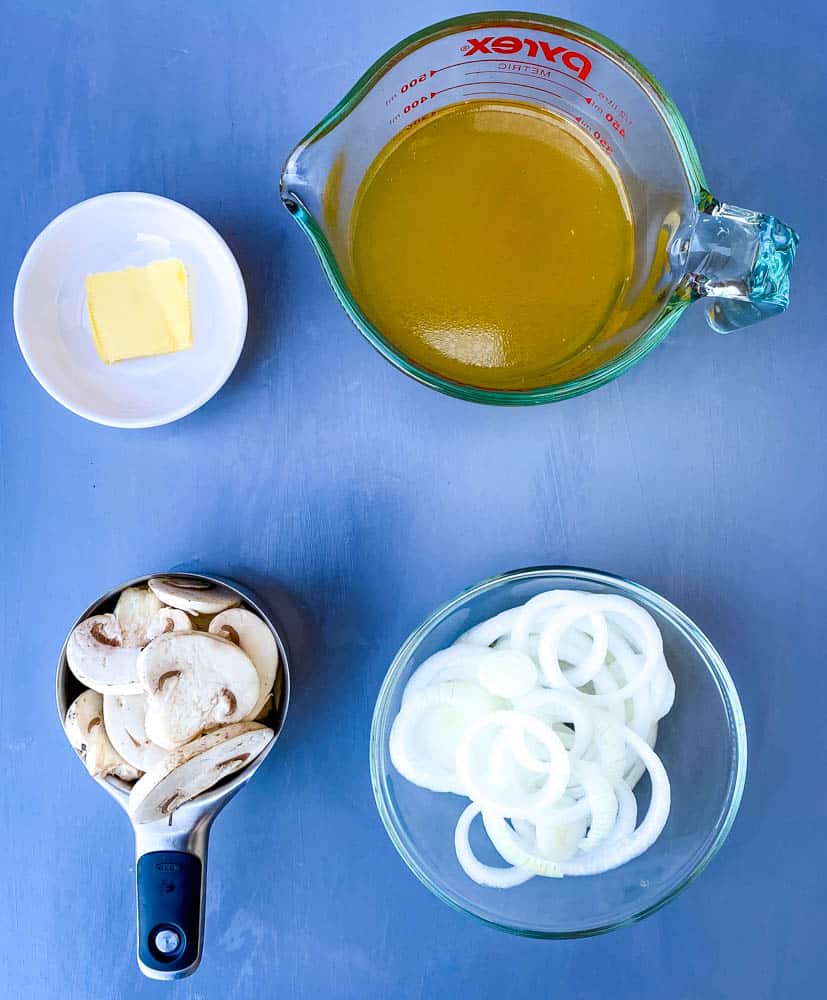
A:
<point x="140" y="311"/>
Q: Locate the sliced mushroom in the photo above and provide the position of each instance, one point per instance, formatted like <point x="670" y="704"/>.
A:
<point x="192" y="769"/>
<point x="124" y="717"/>
<point x="86" y="731"/>
<point x="194" y="682"/>
<point x="278" y="687"/>
<point x="201" y="623"/>
<point x="134" y="611"/>
<point x="167" y="620"/>
<point x="99" y="658"/>
<point x="191" y="594"/>
<point x="250" y="633"/>
<point x="273" y="700"/>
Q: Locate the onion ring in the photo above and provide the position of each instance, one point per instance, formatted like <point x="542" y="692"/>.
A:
<point x="558" y="768"/>
<point x="498" y="878"/>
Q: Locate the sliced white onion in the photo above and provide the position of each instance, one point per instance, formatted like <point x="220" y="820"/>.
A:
<point x="467" y="703"/>
<point x="491" y="630"/>
<point x="532" y="615"/>
<point x="602" y="803"/>
<point x="626" y="847"/>
<point x="605" y="683"/>
<point x="637" y="768"/>
<point x="559" y="833"/>
<point x="625" y="666"/>
<point x="549" y="653"/>
<point x="554" y="841"/>
<point x="626" y="814"/>
<point x="545" y="716"/>
<point x="564" y="707"/>
<point x="608" y="745"/>
<point x="519" y="804"/>
<point x="507" y="673"/>
<point x="514" y="851"/>
<point x="452" y="664"/>
<point x="526" y="831"/>
<point x="498" y="878"/>
<point x="506" y="769"/>
<point x="663" y="690"/>
<point x="652" y="644"/>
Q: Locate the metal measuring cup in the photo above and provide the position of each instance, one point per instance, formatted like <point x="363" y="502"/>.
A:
<point x="171" y="853"/>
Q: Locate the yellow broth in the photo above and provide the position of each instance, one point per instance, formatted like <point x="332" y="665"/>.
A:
<point x="491" y="243"/>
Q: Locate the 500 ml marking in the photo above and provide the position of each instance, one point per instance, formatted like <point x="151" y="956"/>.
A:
<point x="408" y="85"/>
<point x="415" y="81"/>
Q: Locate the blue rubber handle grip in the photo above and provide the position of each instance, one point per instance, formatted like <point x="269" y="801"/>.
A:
<point x="169" y="910"/>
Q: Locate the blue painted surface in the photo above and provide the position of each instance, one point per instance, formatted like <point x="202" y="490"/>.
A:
<point x="356" y="501"/>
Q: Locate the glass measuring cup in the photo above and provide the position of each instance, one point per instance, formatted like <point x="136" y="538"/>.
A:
<point x="688" y="245"/>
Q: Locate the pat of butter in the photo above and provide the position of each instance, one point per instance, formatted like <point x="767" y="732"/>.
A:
<point x="140" y="311"/>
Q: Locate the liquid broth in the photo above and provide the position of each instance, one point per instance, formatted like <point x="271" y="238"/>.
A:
<point x="490" y="243"/>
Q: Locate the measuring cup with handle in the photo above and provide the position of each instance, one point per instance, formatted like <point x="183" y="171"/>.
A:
<point x="171" y="853"/>
<point x="688" y="245"/>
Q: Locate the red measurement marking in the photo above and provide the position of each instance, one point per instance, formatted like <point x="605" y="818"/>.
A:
<point x="516" y="62"/>
<point x="495" y="83"/>
<point x="514" y="72"/>
<point x="417" y="102"/>
<point x="595" y="134"/>
<point x="616" y="125"/>
<point x="615" y="107"/>
<point x="498" y="93"/>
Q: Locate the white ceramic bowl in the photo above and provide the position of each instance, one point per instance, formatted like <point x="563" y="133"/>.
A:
<point x="52" y="323"/>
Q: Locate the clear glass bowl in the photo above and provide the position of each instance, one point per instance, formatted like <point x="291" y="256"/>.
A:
<point x="702" y="743"/>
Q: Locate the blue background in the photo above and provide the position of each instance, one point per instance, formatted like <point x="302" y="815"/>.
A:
<point x="356" y="501"/>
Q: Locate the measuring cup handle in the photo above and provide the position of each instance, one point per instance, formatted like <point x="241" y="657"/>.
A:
<point x="740" y="261"/>
<point x="170" y="875"/>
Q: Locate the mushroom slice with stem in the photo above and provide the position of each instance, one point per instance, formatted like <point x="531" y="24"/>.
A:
<point x="134" y="611"/>
<point x="196" y="596"/>
<point x="192" y="769"/>
<point x="86" y="731"/>
<point x="252" y="635"/>
<point x="167" y="620"/>
<point x="124" y="716"/>
<point x="99" y="658"/>
<point x="194" y="682"/>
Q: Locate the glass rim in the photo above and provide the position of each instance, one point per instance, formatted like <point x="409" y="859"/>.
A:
<point x="673" y="121"/>
<point x="711" y="659"/>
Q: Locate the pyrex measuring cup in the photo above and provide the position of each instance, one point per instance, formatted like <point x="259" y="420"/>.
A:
<point x="688" y="245"/>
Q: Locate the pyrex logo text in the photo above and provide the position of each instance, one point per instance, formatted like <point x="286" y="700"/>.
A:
<point x="510" y="45"/>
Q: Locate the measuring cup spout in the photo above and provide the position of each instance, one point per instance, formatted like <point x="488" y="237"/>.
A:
<point x="739" y="261"/>
<point x="292" y="183"/>
<point x="304" y="176"/>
